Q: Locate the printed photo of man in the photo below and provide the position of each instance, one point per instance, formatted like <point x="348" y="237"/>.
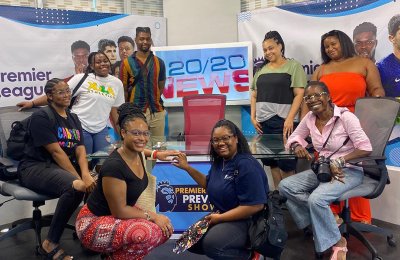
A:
<point x="389" y="67"/>
<point x="364" y="39"/>
<point x="109" y="48"/>
<point x="80" y="52"/>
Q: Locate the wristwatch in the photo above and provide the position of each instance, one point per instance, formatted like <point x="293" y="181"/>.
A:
<point x="293" y="146"/>
<point x="148" y="217"/>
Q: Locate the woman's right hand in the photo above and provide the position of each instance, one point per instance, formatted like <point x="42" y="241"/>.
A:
<point x="180" y="161"/>
<point x="257" y="125"/>
<point x="25" y="105"/>
<point x="302" y="152"/>
<point x="165" y="224"/>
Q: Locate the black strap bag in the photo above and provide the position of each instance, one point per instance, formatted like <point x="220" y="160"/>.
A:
<point x="267" y="230"/>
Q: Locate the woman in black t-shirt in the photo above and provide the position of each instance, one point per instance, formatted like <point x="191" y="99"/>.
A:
<point x="56" y="164"/>
<point x="127" y="232"/>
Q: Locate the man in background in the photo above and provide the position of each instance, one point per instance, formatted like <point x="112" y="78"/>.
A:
<point x="109" y="48"/>
<point x="389" y="67"/>
<point x="364" y="39"/>
<point x="143" y="76"/>
<point x="80" y="52"/>
<point x="126" y="45"/>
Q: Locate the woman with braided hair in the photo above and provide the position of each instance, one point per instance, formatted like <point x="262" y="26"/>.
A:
<point x="110" y="222"/>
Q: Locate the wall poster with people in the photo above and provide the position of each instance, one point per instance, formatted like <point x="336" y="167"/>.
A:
<point x="367" y="23"/>
<point x="39" y="44"/>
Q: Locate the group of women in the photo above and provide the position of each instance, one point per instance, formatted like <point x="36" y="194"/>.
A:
<point x="278" y="91"/>
<point x="342" y="78"/>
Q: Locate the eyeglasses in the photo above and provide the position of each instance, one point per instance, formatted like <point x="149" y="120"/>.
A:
<point x="308" y="98"/>
<point x="224" y="139"/>
<point x="364" y="43"/>
<point x="62" y="92"/>
<point x="138" y="133"/>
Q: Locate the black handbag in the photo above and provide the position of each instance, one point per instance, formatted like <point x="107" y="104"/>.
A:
<point x="267" y="232"/>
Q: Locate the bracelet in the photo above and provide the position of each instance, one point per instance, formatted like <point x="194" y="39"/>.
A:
<point x="148" y="217"/>
<point x="294" y="146"/>
<point x="33" y="104"/>
<point x="154" y="154"/>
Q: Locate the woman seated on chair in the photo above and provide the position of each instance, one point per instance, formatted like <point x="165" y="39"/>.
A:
<point x="110" y="222"/>
<point x="337" y="136"/>
<point x="237" y="187"/>
<point x="56" y="165"/>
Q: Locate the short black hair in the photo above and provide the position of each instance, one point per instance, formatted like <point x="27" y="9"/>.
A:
<point x="143" y="29"/>
<point x="394" y="24"/>
<point x="126" y="39"/>
<point x="346" y="44"/>
<point x="319" y="84"/>
<point x="103" y="43"/>
<point x="364" y="27"/>
<point x="80" y="45"/>
<point x="242" y="146"/>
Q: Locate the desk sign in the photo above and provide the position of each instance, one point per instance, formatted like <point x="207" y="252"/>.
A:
<point x="224" y="68"/>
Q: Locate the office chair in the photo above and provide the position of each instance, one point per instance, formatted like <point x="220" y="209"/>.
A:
<point x="377" y="117"/>
<point x="201" y="112"/>
<point x="14" y="189"/>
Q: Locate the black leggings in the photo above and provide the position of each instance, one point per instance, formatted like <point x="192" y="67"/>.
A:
<point x="51" y="180"/>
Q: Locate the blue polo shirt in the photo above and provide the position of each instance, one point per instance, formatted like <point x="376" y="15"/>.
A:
<point x="239" y="181"/>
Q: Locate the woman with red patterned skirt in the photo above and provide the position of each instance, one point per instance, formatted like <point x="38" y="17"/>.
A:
<point x="109" y="222"/>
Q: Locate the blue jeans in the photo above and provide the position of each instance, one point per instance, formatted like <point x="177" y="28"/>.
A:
<point x="95" y="142"/>
<point x="227" y="240"/>
<point x="308" y="202"/>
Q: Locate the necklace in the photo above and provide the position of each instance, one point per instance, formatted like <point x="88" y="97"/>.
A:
<point x="127" y="157"/>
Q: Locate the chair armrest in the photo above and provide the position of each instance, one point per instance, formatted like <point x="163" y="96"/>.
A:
<point x="357" y="161"/>
<point x="6" y="162"/>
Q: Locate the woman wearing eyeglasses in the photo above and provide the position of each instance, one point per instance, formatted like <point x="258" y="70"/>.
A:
<point x="110" y="222"/>
<point x="276" y="96"/>
<point x="348" y="77"/>
<point x="338" y="137"/>
<point x="237" y="187"/>
<point x="97" y="100"/>
<point x="56" y="163"/>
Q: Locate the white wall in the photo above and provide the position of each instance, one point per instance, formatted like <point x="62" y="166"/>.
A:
<point x="199" y="22"/>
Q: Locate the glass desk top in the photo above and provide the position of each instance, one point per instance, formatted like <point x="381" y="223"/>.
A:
<point x="261" y="146"/>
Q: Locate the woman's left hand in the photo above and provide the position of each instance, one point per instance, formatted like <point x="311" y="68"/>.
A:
<point x="337" y="174"/>
<point x="163" y="155"/>
<point x="214" y="218"/>
<point x="287" y="127"/>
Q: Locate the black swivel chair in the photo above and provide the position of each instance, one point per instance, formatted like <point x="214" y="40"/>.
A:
<point x="377" y="117"/>
<point x="14" y="189"/>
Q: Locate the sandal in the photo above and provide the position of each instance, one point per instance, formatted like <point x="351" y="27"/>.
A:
<point x="337" y="249"/>
<point x="52" y="253"/>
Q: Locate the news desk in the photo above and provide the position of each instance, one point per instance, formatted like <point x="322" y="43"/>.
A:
<point x="177" y="195"/>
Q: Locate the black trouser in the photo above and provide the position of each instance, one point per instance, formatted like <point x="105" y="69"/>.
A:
<point x="51" y="180"/>
<point x="226" y="240"/>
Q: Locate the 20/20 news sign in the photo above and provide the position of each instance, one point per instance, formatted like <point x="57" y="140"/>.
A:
<point x="223" y="68"/>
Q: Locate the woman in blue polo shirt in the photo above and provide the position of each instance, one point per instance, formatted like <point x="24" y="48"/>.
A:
<point x="237" y="187"/>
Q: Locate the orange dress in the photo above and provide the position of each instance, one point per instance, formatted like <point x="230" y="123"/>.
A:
<point x="345" y="88"/>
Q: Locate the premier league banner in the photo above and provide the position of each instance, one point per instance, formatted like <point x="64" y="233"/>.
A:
<point x="207" y="69"/>
<point x="301" y="26"/>
<point x="40" y="44"/>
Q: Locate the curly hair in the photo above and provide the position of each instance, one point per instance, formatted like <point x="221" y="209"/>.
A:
<point x="346" y="44"/>
<point x="242" y="146"/>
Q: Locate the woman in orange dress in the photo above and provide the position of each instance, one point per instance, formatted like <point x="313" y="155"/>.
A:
<point x="348" y="78"/>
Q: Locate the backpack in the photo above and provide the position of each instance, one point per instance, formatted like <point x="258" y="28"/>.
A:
<point x="18" y="141"/>
<point x="267" y="231"/>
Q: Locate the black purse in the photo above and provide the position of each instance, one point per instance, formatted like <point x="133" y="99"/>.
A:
<point x="267" y="232"/>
